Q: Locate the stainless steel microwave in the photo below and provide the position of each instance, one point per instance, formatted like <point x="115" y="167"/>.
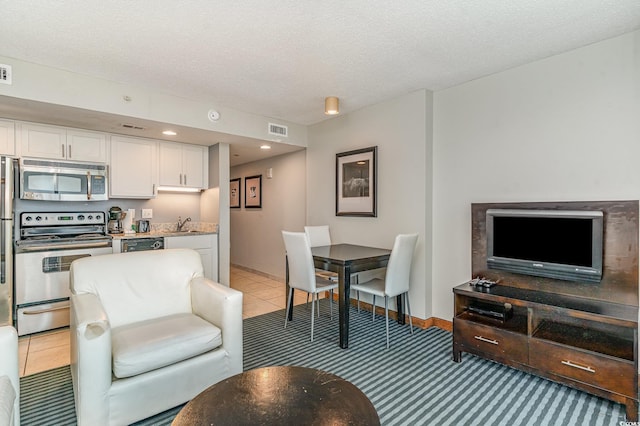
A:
<point x="57" y="180"/>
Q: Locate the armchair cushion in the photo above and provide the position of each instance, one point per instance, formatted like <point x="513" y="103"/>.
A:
<point x="148" y="345"/>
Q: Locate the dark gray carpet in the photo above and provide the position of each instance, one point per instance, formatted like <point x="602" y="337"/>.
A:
<point x="413" y="383"/>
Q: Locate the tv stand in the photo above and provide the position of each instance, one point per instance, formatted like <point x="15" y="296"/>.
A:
<point x="586" y="344"/>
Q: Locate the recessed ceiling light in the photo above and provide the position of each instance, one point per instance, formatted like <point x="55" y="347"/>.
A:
<point x="169" y="133"/>
<point x="265" y="146"/>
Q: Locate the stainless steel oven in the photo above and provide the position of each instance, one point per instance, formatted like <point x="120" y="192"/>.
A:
<point x="47" y="244"/>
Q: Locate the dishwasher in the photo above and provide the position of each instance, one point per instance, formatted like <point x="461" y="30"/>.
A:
<point x="142" y="244"/>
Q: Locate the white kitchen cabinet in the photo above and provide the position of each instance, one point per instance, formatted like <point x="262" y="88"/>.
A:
<point x="7" y="137"/>
<point x="83" y="145"/>
<point x="55" y="142"/>
<point x="205" y="244"/>
<point x="133" y="167"/>
<point x="183" y="165"/>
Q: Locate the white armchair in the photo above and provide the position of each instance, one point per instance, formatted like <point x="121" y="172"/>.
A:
<point x="148" y="332"/>
<point x="9" y="377"/>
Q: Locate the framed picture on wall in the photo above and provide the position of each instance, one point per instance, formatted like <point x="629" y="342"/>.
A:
<point x="253" y="192"/>
<point x="356" y="183"/>
<point x="234" y="193"/>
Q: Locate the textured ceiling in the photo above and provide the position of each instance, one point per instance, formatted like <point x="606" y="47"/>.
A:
<point x="280" y="59"/>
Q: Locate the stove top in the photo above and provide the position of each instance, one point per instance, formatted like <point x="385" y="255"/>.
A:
<point x="43" y="227"/>
<point x="61" y="218"/>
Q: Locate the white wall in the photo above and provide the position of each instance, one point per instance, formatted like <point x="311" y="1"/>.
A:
<point x="564" y="128"/>
<point x="55" y="86"/>
<point x="401" y="128"/>
<point x="256" y="238"/>
<point x="166" y="206"/>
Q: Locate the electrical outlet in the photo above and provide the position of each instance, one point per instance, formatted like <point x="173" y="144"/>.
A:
<point x="147" y="213"/>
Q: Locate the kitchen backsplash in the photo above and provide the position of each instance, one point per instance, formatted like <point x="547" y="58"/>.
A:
<point x="189" y="226"/>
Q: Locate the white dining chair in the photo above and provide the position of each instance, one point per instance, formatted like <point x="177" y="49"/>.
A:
<point x="318" y="236"/>
<point x="396" y="281"/>
<point x="302" y="274"/>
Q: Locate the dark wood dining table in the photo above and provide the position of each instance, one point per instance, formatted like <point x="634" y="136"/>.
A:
<point x="346" y="259"/>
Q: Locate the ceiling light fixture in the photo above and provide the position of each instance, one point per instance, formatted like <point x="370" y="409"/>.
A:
<point x="265" y="146"/>
<point x="169" y="133"/>
<point x="331" y="105"/>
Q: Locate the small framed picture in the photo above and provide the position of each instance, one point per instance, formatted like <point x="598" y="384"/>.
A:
<point x="356" y="183"/>
<point x="253" y="192"/>
<point x="234" y="193"/>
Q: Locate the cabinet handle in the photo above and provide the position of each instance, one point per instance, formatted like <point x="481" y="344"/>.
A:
<point x="579" y="367"/>
<point x="185" y="179"/>
<point x="180" y="178"/>
<point x="62" y="150"/>
<point x="69" y="151"/>
<point x="484" y="339"/>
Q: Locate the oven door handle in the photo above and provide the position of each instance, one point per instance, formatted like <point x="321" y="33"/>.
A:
<point x="88" y="185"/>
<point x="43" y="311"/>
<point x="74" y="246"/>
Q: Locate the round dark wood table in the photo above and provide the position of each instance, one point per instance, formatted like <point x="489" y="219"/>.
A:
<point x="280" y="396"/>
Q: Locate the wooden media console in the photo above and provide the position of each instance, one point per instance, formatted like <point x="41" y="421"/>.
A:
<point x="583" y="335"/>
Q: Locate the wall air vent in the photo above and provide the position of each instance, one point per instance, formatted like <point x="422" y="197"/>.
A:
<point x="132" y="127"/>
<point x="278" y="130"/>
<point x="5" y="74"/>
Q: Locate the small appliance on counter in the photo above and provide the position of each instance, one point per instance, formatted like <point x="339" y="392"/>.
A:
<point x="143" y="226"/>
<point x="127" y="222"/>
<point x="116" y="215"/>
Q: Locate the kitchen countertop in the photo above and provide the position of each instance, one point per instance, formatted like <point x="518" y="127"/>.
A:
<point x="168" y="230"/>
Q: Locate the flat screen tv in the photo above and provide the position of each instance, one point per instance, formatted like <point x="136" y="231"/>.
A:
<point x="560" y="244"/>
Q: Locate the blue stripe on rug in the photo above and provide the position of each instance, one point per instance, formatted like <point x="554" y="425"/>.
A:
<point x="415" y="382"/>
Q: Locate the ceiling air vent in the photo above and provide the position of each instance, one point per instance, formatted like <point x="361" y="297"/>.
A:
<point x="5" y="74"/>
<point x="132" y="127"/>
<point x="278" y="130"/>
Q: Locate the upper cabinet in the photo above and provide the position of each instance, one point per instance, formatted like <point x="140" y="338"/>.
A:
<point x="183" y="165"/>
<point x="133" y="167"/>
<point x="7" y="138"/>
<point x="61" y="143"/>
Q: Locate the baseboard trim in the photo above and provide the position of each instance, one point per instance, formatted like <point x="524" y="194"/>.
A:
<point x="418" y="322"/>
<point x="262" y="274"/>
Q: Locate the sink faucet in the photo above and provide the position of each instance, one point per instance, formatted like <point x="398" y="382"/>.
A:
<point x="181" y="223"/>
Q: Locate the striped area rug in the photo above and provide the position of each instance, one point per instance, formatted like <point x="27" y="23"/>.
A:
<point x="412" y="383"/>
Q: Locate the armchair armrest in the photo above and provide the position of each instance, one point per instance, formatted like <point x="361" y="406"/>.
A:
<point x="9" y="366"/>
<point x="90" y="358"/>
<point x="221" y="306"/>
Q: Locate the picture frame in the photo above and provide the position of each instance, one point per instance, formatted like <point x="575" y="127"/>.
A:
<point x="234" y="193"/>
<point x="253" y="192"/>
<point x="356" y="183"/>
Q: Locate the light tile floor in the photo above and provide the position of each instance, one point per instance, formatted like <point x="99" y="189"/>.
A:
<point x="48" y="350"/>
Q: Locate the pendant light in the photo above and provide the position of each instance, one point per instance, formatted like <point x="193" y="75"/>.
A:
<point x="331" y="105"/>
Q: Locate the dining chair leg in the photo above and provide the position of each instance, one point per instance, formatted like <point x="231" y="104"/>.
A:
<point x="386" y="317"/>
<point x="331" y="304"/>
<point x="312" y="313"/>
<point x="406" y="302"/>
<point x="358" y="299"/>
<point x="373" y="308"/>
<point x="317" y="302"/>
<point x="286" y="313"/>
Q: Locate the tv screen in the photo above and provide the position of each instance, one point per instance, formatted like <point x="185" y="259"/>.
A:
<point x="557" y="244"/>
